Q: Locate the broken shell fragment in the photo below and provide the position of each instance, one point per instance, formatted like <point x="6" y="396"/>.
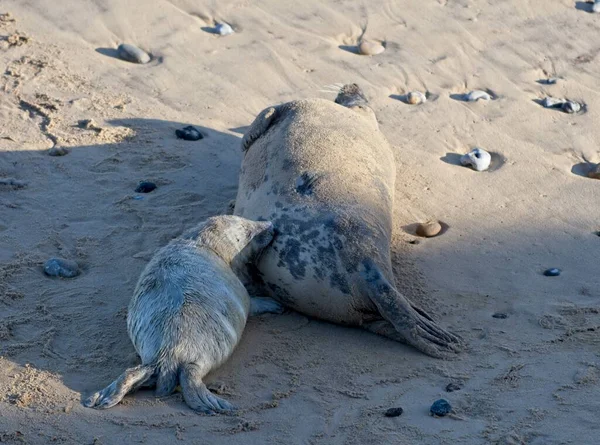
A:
<point x="367" y="48"/>
<point x="416" y="97"/>
<point x="475" y="95"/>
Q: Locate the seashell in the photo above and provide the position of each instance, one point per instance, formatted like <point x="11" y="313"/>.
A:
<point x="440" y="408"/>
<point x="224" y="29"/>
<point x="132" y="53"/>
<point x="475" y="95"/>
<point x="416" y="97"/>
<point x="477" y="158"/>
<point x="367" y="48"/>
<point x="571" y="107"/>
<point x="594" y="173"/>
<point x="429" y="229"/>
<point x="551" y="102"/>
<point x="59" y="267"/>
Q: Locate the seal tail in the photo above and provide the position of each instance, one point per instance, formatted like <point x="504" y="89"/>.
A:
<point x="407" y="323"/>
<point x="196" y="394"/>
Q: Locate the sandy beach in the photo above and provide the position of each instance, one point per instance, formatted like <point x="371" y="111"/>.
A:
<point x="531" y="374"/>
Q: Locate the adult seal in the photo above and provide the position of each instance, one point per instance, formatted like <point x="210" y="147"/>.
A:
<point x="189" y="310"/>
<point x="324" y="174"/>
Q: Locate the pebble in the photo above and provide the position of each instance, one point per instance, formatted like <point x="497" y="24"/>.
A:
<point x="394" y="412"/>
<point x="58" y="151"/>
<point x="145" y="187"/>
<point x="189" y="133"/>
<point x="132" y="53"/>
<point x="551" y="102"/>
<point x="500" y="315"/>
<point x="416" y="97"/>
<point x="440" y="408"/>
<point x="475" y="95"/>
<point x="478" y="159"/>
<point x="594" y="173"/>
<point x="367" y="48"/>
<point x="224" y="29"/>
<point x="453" y="386"/>
<point x="571" y="107"/>
<point x="429" y="229"/>
<point x="553" y="272"/>
<point x="58" y="267"/>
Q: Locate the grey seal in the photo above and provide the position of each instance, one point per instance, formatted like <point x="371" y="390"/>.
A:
<point x="324" y="174"/>
<point x="189" y="310"/>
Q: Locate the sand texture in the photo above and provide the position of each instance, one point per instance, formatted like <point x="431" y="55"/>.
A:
<point x="532" y="377"/>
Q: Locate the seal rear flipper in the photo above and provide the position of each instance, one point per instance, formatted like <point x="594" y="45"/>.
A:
<point x="259" y="127"/>
<point x="197" y="395"/>
<point x="411" y="324"/>
<point x="129" y="381"/>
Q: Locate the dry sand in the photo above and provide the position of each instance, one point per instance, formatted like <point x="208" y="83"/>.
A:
<point x="531" y="378"/>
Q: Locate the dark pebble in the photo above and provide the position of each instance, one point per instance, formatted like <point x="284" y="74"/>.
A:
<point x="133" y="54"/>
<point x="440" y="408"/>
<point x="501" y="315"/>
<point x="145" y="187"/>
<point x="394" y="412"/>
<point x="453" y="386"/>
<point x="58" y="267"/>
<point x="189" y="133"/>
<point x="554" y="272"/>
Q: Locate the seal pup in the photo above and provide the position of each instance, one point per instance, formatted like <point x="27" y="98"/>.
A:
<point x="324" y="174"/>
<point x="189" y="310"/>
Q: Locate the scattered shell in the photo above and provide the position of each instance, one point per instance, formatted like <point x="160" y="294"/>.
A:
<point x="551" y="102"/>
<point x="58" y="267"/>
<point x="367" y="48"/>
<point x="416" y="97"/>
<point x="454" y="386"/>
<point x="594" y="173"/>
<point x="224" y="29"/>
<point x="58" y="151"/>
<point x="500" y="315"/>
<point x="475" y="95"/>
<point x="440" y="408"/>
<point x="394" y="412"/>
<point x="429" y="229"/>
<point x="478" y="159"/>
<point x="189" y="133"/>
<point x="132" y="53"/>
<point x="571" y="107"/>
<point x="145" y="187"/>
<point x="553" y="272"/>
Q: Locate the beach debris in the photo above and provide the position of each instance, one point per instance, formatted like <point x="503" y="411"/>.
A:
<point x="568" y="106"/>
<point x="133" y="54"/>
<point x="454" y="386"/>
<point x="7" y="17"/>
<point x="551" y="102"/>
<point x="552" y="272"/>
<point x="368" y="48"/>
<point x="59" y="267"/>
<point x="189" y="133"/>
<point x="58" y="151"/>
<point x="594" y="172"/>
<point x="223" y="29"/>
<point x="571" y="107"/>
<point x="394" y="412"/>
<point x="440" y="408"/>
<point x="500" y="315"/>
<point x="17" y="39"/>
<point x="145" y="187"/>
<point x="477" y="158"/>
<point x="416" y="98"/>
<point x="475" y="95"/>
<point x="429" y="229"/>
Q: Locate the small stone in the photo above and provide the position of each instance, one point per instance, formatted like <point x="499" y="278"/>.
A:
<point x="58" y="151"/>
<point x="440" y="408"/>
<point x="145" y="187"/>
<point x="453" y="386"/>
<point x="500" y="315"/>
<point x="416" y="98"/>
<point x="571" y="107"/>
<point x="476" y="95"/>
<point x="478" y="159"/>
<point x="594" y="173"/>
<point x="133" y="54"/>
<point x="551" y="102"/>
<point x="553" y="272"/>
<point x="58" y="267"/>
<point x="394" y="412"/>
<point x="367" y="48"/>
<point x="189" y="133"/>
<point x="429" y="229"/>
<point x="223" y="29"/>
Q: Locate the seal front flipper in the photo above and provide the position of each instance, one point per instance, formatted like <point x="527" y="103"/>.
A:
<point x="412" y="326"/>
<point x="259" y="127"/>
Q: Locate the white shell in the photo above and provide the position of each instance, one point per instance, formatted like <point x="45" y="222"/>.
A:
<point x="478" y="159"/>
<point x="551" y="102"/>
<point x="475" y="95"/>
<point x="224" y="29"/>
<point x="571" y="107"/>
<point x="367" y="48"/>
<point x="416" y="97"/>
